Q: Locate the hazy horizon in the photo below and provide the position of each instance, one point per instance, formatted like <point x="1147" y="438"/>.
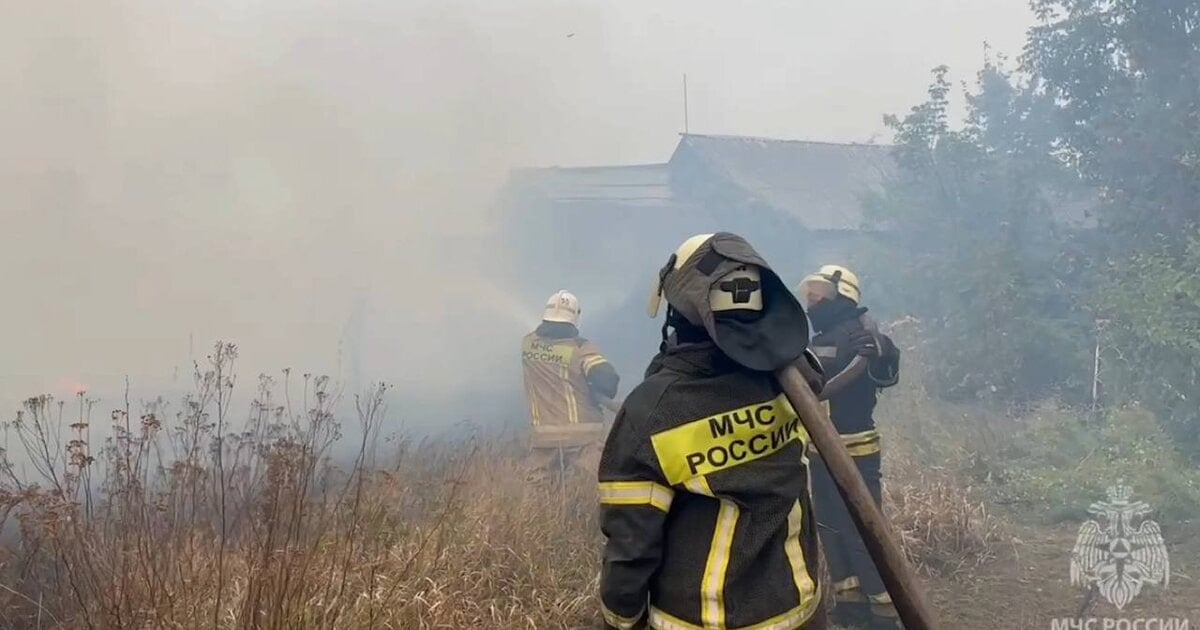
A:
<point x="241" y="171"/>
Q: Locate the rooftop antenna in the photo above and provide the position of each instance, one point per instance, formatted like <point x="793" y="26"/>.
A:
<point x="685" y="105"/>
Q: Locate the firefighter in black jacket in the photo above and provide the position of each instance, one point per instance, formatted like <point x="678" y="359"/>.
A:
<point x="858" y="361"/>
<point x="704" y="476"/>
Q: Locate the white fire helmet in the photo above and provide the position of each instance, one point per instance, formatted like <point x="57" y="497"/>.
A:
<point x="738" y="290"/>
<point x="827" y="283"/>
<point x="562" y="307"/>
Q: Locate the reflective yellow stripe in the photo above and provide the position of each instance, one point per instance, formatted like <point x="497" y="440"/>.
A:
<point x="847" y="584"/>
<point x="712" y="596"/>
<point x="698" y="485"/>
<point x="880" y="598"/>
<point x="805" y="586"/>
<point x="636" y="493"/>
<point x="569" y="389"/>
<point x="862" y="444"/>
<point x="617" y="621"/>
<point x="857" y="438"/>
<point x="590" y="362"/>
<point x="660" y="620"/>
<point x="793" y="619"/>
<point x="862" y="450"/>
<point x="534" y="414"/>
<point x="712" y="586"/>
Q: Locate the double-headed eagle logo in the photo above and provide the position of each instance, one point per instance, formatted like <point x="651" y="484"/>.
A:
<point x="742" y="289"/>
<point x="1120" y="558"/>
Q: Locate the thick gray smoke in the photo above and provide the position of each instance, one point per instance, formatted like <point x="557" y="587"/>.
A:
<point x="173" y="173"/>
<point x="178" y="174"/>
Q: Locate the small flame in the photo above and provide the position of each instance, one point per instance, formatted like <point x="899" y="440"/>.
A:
<point x="72" y="385"/>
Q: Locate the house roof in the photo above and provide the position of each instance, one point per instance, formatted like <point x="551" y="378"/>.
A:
<point x="818" y="183"/>
<point x="645" y="184"/>
<point x="821" y="184"/>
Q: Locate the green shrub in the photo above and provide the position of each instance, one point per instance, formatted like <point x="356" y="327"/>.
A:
<point x="1060" y="465"/>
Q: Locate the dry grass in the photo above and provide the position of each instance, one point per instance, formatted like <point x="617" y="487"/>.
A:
<point x="195" y="522"/>
<point x="934" y="457"/>
<point x="191" y="520"/>
<point x="944" y="529"/>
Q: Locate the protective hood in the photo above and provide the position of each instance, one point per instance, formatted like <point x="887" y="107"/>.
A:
<point x="765" y="340"/>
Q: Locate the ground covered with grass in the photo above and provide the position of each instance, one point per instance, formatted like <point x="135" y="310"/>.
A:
<point x="194" y="515"/>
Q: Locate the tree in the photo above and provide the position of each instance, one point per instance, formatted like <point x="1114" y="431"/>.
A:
<point x="1124" y="76"/>
<point x="1105" y="108"/>
<point x="1153" y="301"/>
<point x="976" y="245"/>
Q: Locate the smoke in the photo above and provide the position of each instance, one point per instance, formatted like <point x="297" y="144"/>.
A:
<point x="248" y="169"/>
<point x="242" y="171"/>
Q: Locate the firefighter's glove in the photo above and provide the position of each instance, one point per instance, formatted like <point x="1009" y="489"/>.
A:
<point x="864" y="344"/>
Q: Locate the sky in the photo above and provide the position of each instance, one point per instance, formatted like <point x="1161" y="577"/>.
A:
<point x="176" y="172"/>
<point x="785" y="69"/>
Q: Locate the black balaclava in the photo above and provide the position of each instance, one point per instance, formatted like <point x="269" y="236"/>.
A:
<point x="685" y="331"/>
<point x="826" y="314"/>
<point x="557" y="330"/>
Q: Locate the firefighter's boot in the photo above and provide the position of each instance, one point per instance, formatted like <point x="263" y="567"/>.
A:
<point x="851" y="608"/>
<point x="882" y="613"/>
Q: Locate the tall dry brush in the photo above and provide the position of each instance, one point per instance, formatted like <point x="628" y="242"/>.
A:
<point x="190" y="520"/>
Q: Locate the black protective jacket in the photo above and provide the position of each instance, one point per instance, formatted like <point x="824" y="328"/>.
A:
<point x="705" y="502"/>
<point x="852" y="407"/>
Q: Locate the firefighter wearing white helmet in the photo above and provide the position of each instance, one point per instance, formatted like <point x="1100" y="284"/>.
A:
<point x="704" y="477"/>
<point x="831" y="279"/>
<point x="566" y="377"/>
<point x="860" y="361"/>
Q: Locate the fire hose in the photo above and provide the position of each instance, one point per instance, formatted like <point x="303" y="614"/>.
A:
<point x="879" y="539"/>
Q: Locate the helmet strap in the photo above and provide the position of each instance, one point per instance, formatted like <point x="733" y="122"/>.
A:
<point x="662" y="346"/>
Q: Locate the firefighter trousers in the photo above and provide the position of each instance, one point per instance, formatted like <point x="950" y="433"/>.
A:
<point x="850" y="565"/>
<point x="552" y="464"/>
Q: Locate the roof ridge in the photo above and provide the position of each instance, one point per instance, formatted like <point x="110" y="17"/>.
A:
<point x="783" y="140"/>
<point x="593" y="167"/>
